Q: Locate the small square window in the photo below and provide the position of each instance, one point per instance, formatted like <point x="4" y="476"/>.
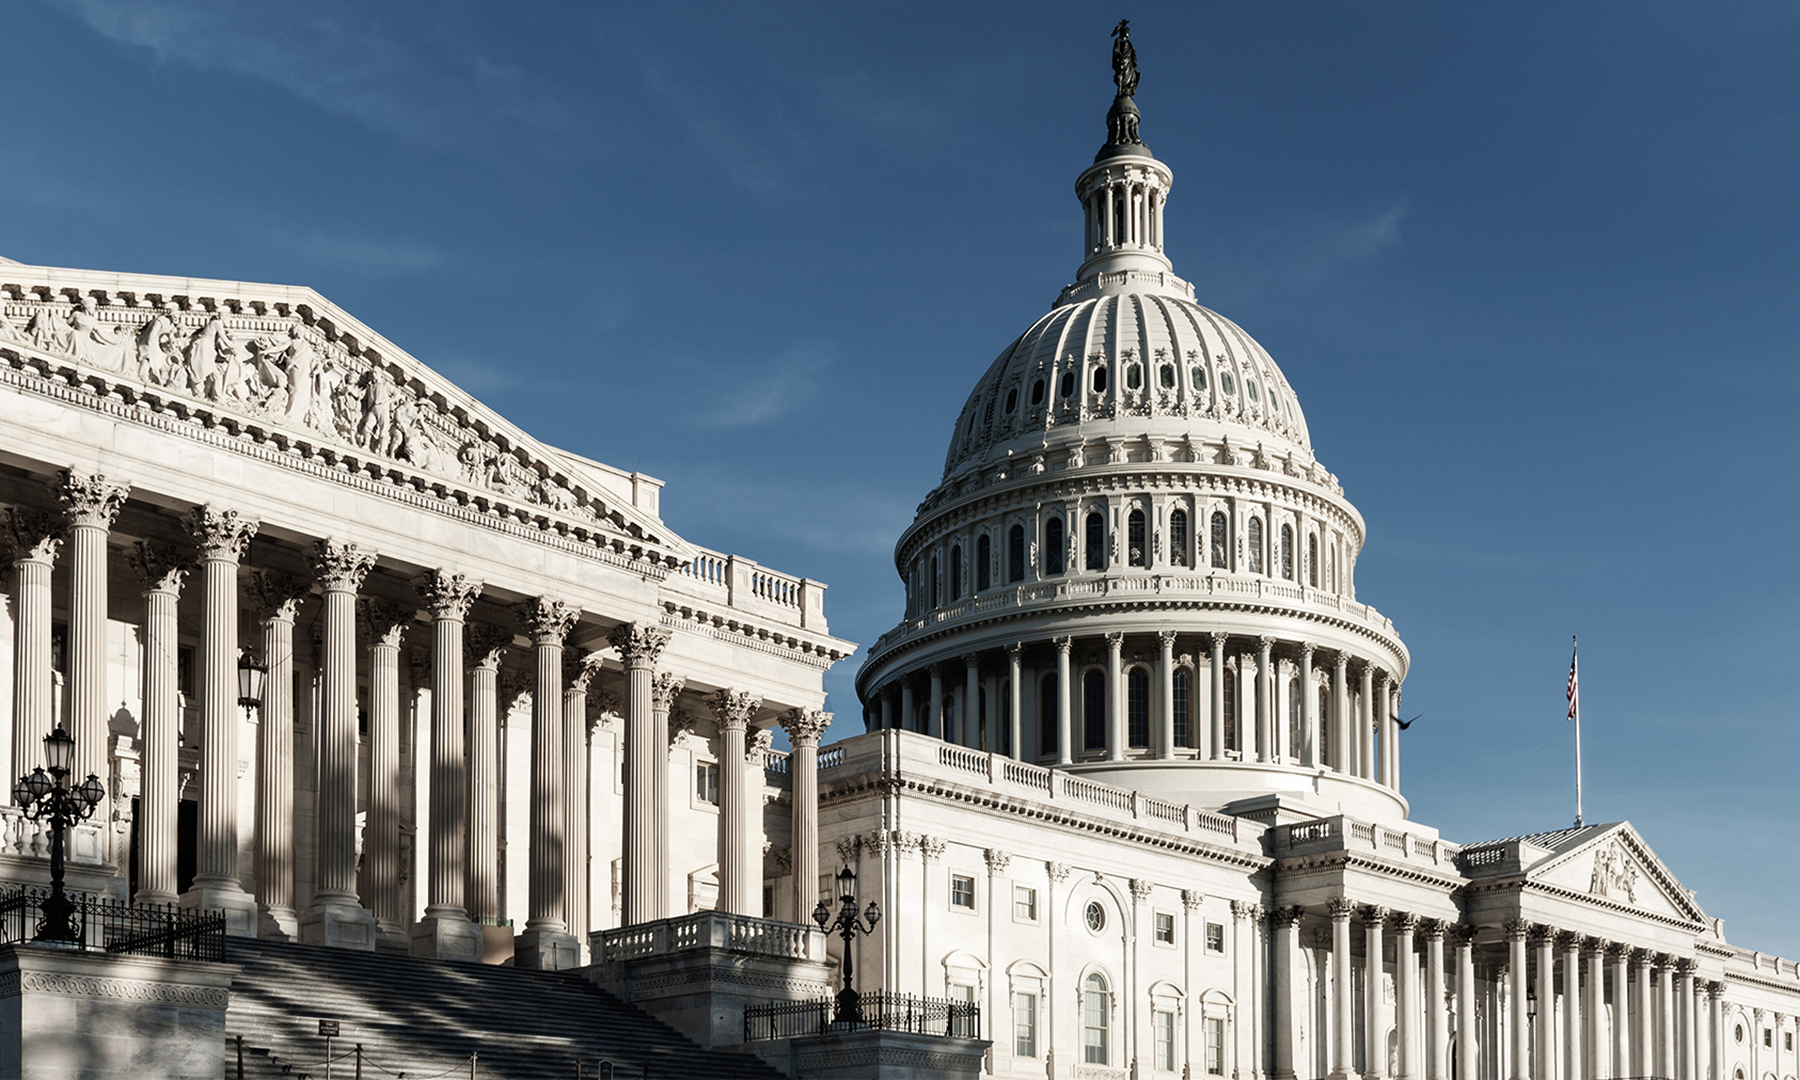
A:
<point x="962" y="891"/>
<point x="1787" y="1040"/>
<point x="1768" y="1038"/>
<point x="1024" y="903"/>
<point x="1215" y="938"/>
<point x="1165" y="928"/>
<point x="706" y="782"/>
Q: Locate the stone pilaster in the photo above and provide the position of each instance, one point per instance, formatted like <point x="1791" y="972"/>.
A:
<point x="33" y="538"/>
<point x="386" y="623"/>
<point x="276" y="600"/>
<point x="804" y="728"/>
<point x="335" y="916"/>
<point x="446" y="932"/>
<point x="91" y="504"/>
<point x="638" y="646"/>
<point x="223" y="537"/>
<point x="162" y="570"/>
<point x="546" y="942"/>
<point x="738" y="893"/>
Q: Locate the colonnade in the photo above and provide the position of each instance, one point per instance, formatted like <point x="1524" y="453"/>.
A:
<point x="349" y="906"/>
<point x="1346" y="705"/>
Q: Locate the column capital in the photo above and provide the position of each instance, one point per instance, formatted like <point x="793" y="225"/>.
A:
<point x="1219" y="642"/>
<point x="1115" y="640"/>
<point x="734" y="708"/>
<point x="89" y="498"/>
<point x="1342" y="663"/>
<point x="383" y="621"/>
<point x="1191" y="899"/>
<point x="275" y="596"/>
<point x="1307" y="649"/>
<point x="339" y="567"/>
<point x="1432" y="929"/>
<point x="1282" y="918"/>
<point x="1245" y="909"/>
<point x="579" y="670"/>
<point x="996" y="859"/>
<point x="1462" y="935"/>
<point x="1015" y="650"/>
<point x="1406" y="922"/>
<point x="547" y="620"/>
<point x="31" y="535"/>
<point x="1265" y="643"/>
<point x="222" y="535"/>
<point x="484" y="645"/>
<point x="1141" y="889"/>
<point x="971" y="660"/>
<point x="1542" y="934"/>
<point x="1340" y="909"/>
<point x="447" y="595"/>
<point x="1516" y="929"/>
<point x="1715" y="990"/>
<point x="1374" y="915"/>
<point x="1567" y="939"/>
<point x="162" y="568"/>
<point x="758" y="746"/>
<point x="1059" y="872"/>
<point x="1685" y="966"/>
<point x="665" y="687"/>
<point x="1593" y="946"/>
<point x="638" y="644"/>
<point x="805" y="726"/>
<point x="1064" y="645"/>
<point x="936" y="670"/>
<point x="1167" y="639"/>
<point x="1618" y="953"/>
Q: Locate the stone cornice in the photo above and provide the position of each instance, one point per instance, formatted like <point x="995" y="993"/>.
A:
<point x="775" y="640"/>
<point x="1521" y="885"/>
<point x="1350" y="860"/>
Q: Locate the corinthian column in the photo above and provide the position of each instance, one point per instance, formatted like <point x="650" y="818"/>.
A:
<point x="1572" y="1002"/>
<point x="91" y="505"/>
<point x="1343" y="989"/>
<point x="162" y="570"/>
<point x="1343" y="746"/>
<point x="1437" y="1017"/>
<point x="638" y="646"/>
<point x="737" y="892"/>
<point x="1468" y="1047"/>
<point x="804" y="727"/>
<point x="1518" y="1022"/>
<point x="483" y="648"/>
<point x="546" y="943"/>
<point x="446" y="932"/>
<point x="34" y="538"/>
<point x="1374" y="919"/>
<point x="222" y="536"/>
<point x="335" y="916"/>
<point x="1265" y="700"/>
<point x="1309" y="710"/>
<point x="1165" y="711"/>
<point x="665" y="687"/>
<point x="1216" y="747"/>
<point x="1065" y="728"/>
<point x="578" y="671"/>
<point x="276" y="600"/>
<point x="1116" y="735"/>
<point x="1406" y="997"/>
<point x="386" y="622"/>
<point x="1365" y="724"/>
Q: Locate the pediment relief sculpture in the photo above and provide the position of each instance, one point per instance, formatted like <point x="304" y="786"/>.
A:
<point x="1615" y="876"/>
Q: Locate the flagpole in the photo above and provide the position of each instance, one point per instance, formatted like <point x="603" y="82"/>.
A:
<point x="1575" y="714"/>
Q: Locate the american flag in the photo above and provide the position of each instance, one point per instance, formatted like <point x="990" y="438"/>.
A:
<point x="1574" y="689"/>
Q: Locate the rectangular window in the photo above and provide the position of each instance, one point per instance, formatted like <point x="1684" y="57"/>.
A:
<point x="1024" y="903"/>
<point x="962" y="891"/>
<point x="1787" y="1039"/>
<point x="1215" y="1046"/>
<point x="1184" y="681"/>
<point x="1165" y="928"/>
<point x="962" y="1019"/>
<point x="1768" y="1038"/>
<point x="1215" y="938"/>
<point x="1093" y="1026"/>
<point x="706" y="782"/>
<point x="1164" y="1023"/>
<point x="1025" y="1025"/>
<point x="768" y="901"/>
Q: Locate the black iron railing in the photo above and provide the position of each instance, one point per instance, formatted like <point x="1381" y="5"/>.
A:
<point x="880" y="1009"/>
<point x="102" y="925"/>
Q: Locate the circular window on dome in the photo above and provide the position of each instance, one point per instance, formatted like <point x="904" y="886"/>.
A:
<point x="1250" y="385"/>
<point x="1134" y="377"/>
<point x="1199" y="377"/>
<point x="1037" y="392"/>
<point x="1167" y="376"/>
<point x="1095" y="917"/>
<point x="1227" y="383"/>
<point x="1099" y="380"/>
<point x="1012" y="400"/>
<point x="1068" y="384"/>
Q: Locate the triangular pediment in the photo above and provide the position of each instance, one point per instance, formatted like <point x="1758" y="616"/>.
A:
<point x="298" y="373"/>
<point x="1612" y="865"/>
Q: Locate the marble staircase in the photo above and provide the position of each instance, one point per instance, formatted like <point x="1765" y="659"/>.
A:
<point x="423" y="1018"/>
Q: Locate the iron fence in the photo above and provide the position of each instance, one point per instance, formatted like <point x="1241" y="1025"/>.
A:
<point x="102" y="925"/>
<point x="880" y="1009"/>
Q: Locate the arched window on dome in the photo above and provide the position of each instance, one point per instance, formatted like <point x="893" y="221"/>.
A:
<point x="934" y="582"/>
<point x="1198" y="375"/>
<point x="1134" y="377"/>
<point x="1324" y="725"/>
<point x="956" y="573"/>
<point x="1293" y="696"/>
<point x="1037" y="392"/>
<point x="1312" y="560"/>
<point x="1178" y="538"/>
<point x="1015" y="553"/>
<point x="1095" y="542"/>
<point x="1230" y="718"/>
<point x="984" y="563"/>
<point x="1254" y="541"/>
<point x="1093" y="710"/>
<point x="1054" y="547"/>
<point x="1227" y="384"/>
<point x="1065" y="387"/>
<point x="1099" y="381"/>
<point x="1137" y="708"/>
<point x="1012" y="400"/>
<point x="1096" y="1010"/>
<point x="1047" y="724"/>
<point x="1136" y="548"/>
<point x="1221" y="540"/>
<point x="1287" y="552"/>
<point x="1183" y="692"/>
<point x="1166" y="376"/>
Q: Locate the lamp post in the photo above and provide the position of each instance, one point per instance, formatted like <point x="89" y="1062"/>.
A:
<point x="250" y="679"/>
<point x="847" y="925"/>
<point x="49" y="795"/>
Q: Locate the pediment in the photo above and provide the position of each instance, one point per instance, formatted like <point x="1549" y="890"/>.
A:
<point x="1612" y="864"/>
<point x="289" y="367"/>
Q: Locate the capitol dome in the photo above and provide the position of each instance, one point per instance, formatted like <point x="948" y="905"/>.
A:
<point x="1133" y="568"/>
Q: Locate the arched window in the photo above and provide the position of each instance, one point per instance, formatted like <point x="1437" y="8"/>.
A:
<point x="1184" y="684"/>
<point x="1095" y="542"/>
<point x="1199" y="377"/>
<point x="1324" y="726"/>
<point x="1094" y="1010"/>
<point x="1093" y="710"/>
<point x="1134" y="539"/>
<point x="1037" y="392"/>
<point x="1221" y="540"/>
<point x="1065" y="387"/>
<point x="1047" y="727"/>
<point x="1231" y="717"/>
<point x="1100" y="379"/>
<point x="1137" y="708"/>
<point x="1287" y="552"/>
<point x="934" y="581"/>
<point x="1255" y="543"/>
<point x="1178" y="538"/>
<point x="1134" y="377"/>
<point x="1312" y="560"/>
<point x="1293" y="718"/>
<point x="1054" y="548"/>
<point x="984" y="563"/>
<point x="1166" y="375"/>
<point x="1015" y="553"/>
<point x="956" y="573"/>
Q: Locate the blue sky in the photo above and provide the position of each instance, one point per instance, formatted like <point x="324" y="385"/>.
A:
<point x="1532" y="269"/>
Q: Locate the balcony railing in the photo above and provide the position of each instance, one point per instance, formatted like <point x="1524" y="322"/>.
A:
<point x="111" y="927"/>
<point x="881" y="1010"/>
<point x="709" y="930"/>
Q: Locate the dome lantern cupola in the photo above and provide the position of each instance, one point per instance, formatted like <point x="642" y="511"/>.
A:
<point x="1123" y="192"/>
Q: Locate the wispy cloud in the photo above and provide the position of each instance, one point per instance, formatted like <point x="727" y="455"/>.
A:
<point x="340" y="59"/>
<point x="820" y="515"/>
<point x="756" y="393"/>
<point x="735" y="147"/>
<point x="1303" y="254"/>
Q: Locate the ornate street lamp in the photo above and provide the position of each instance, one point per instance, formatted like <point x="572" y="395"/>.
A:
<point x="42" y="795"/>
<point x="250" y="679"/>
<point x="848" y="925"/>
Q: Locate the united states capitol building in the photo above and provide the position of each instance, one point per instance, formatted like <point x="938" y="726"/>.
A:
<point x="1126" y="773"/>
